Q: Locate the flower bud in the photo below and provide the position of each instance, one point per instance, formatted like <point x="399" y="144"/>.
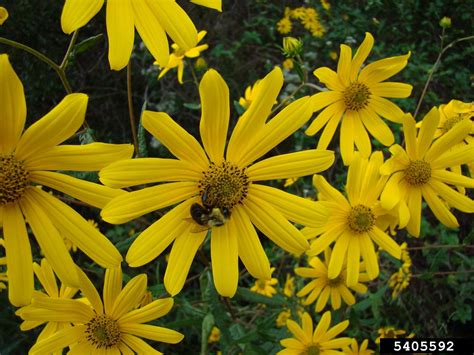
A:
<point x="292" y="46"/>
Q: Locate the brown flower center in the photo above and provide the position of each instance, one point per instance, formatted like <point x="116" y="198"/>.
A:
<point x="103" y="332"/>
<point x="336" y="282"/>
<point x="418" y="172"/>
<point x="356" y="96"/>
<point x="361" y="219"/>
<point x="224" y="185"/>
<point x="14" y="179"/>
<point x="312" y="350"/>
<point x="451" y="122"/>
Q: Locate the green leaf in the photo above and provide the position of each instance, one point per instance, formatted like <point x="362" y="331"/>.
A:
<point x="192" y="106"/>
<point x="207" y="324"/>
<point x="87" y="43"/>
<point x="246" y="294"/>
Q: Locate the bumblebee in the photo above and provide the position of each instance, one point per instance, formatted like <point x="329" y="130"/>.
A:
<point x="208" y="216"/>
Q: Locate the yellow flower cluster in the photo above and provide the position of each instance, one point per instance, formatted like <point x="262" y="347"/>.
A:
<point x="307" y="16"/>
<point x="401" y="279"/>
<point x="392" y="333"/>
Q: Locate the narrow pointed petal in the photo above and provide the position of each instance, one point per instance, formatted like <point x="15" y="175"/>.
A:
<point x="12" y="106"/>
<point x="458" y="155"/>
<point x="452" y="197"/>
<point x="112" y="287"/>
<point x="339" y="254"/>
<point x="325" y="98"/>
<point x="138" y="345"/>
<point x="215" y="114"/>
<point x="409" y="130"/>
<point x="391" y="90"/>
<point x="18" y="254"/>
<point x="130" y="296"/>
<point x="59" y="341"/>
<point x="46" y="277"/>
<point x="329" y="130"/>
<point x="90" y="292"/>
<point x="369" y="256"/>
<point x="153" y="332"/>
<point x="386" y="242"/>
<point x="120" y="32"/>
<point x="55" y="127"/>
<point x="353" y="262"/>
<point x="452" y="178"/>
<point x="448" y="140"/>
<point x="361" y="55"/>
<point x="377" y="127"/>
<point x="428" y="128"/>
<point x="439" y="207"/>
<point x="62" y="308"/>
<point x="383" y="69"/>
<point x="77" y="13"/>
<point x="362" y="139"/>
<point x="344" y="64"/>
<point x="329" y="192"/>
<point x="151" y="311"/>
<point x="325" y="240"/>
<point x="334" y="109"/>
<point x="329" y="78"/>
<point x="213" y="4"/>
<point x="297" y="331"/>
<point x="347" y="137"/>
<point x="386" y="109"/>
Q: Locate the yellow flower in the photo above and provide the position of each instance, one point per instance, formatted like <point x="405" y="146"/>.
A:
<point x="357" y="98"/>
<point x="30" y="158"/>
<point x="292" y="46"/>
<point x="290" y="181"/>
<point x="289" y="288"/>
<point x="322" y="341"/>
<point x="288" y="64"/>
<point x="152" y="19"/>
<point x="219" y="192"/>
<point x="111" y="326"/>
<point x="323" y="288"/>
<point x="392" y="333"/>
<point x="249" y="95"/>
<point x="351" y="222"/>
<point x="3" y="15"/>
<point x="45" y="275"/>
<point x="333" y="55"/>
<point x="177" y="57"/>
<point x="284" y="26"/>
<point x="401" y="279"/>
<point x="445" y="22"/>
<point x="265" y="286"/>
<point x="215" y="335"/>
<point x="325" y="4"/>
<point x="200" y="64"/>
<point x="419" y="171"/>
<point x="283" y="316"/>
<point x="354" y="349"/>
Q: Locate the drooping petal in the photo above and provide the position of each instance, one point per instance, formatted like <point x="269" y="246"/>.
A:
<point x="448" y="140"/>
<point x="329" y="130"/>
<point x="362" y="139"/>
<point x="53" y="128"/>
<point x="386" y="109"/>
<point x="134" y="204"/>
<point x="361" y="55"/>
<point x="60" y="309"/>
<point x="335" y="109"/>
<point x="329" y="78"/>
<point x="391" y="193"/>
<point x="59" y="341"/>
<point x="12" y="106"/>
<point x="347" y="137"/>
<point x="377" y="127"/>
<point x="439" y="207"/>
<point x="180" y="143"/>
<point x="224" y="258"/>
<point x="324" y="240"/>
<point x="120" y="32"/>
<point x="250" y="248"/>
<point x="130" y="296"/>
<point x="18" y="254"/>
<point x="215" y="114"/>
<point x="90" y="292"/>
<point x="339" y="254"/>
<point x="138" y="345"/>
<point x="77" y="13"/>
<point x="453" y="197"/>
<point x="384" y="241"/>
<point x="94" y="194"/>
<point x="153" y="332"/>
<point x="151" y="311"/>
<point x="353" y="262"/>
<point x="369" y="256"/>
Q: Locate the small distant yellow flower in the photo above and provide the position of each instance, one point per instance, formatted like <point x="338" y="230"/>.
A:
<point x="288" y="64"/>
<point x="147" y="299"/>
<point x="292" y="46"/>
<point x="392" y="333"/>
<point x="215" y="335"/>
<point x="401" y="279"/>
<point x="325" y="4"/>
<point x="354" y="349"/>
<point x="333" y="55"/>
<point x="177" y="57"/>
<point x="283" y="317"/>
<point x="297" y="13"/>
<point x="290" y="181"/>
<point x="289" y="288"/>
<point x="3" y="15"/>
<point x="322" y="341"/>
<point x="249" y="95"/>
<point x="284" y="26"/>
<point x="445" y="22"/>
<point x="200" y="64"/>
<point x="265" y="287"/>
<point x="325" y="289"/>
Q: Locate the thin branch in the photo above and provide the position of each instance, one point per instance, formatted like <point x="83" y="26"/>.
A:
<point x="69" y="50"/>
<point x="130" y="106"/>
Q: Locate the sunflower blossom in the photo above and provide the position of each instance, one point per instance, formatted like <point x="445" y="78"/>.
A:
<point x="219" y="192"/>
<point x="357" y="98"/>
<point x="177" y="57"/>
<point x="324" y="289"/>
<point x="420" y="171"/>
<point x="30" y="157"/>
<point x="265" y="286"/>
<point x="112" y="326"/>
<point x="289" y="288"/>
<point x="355" y="349"/>
<point x="352" y="222"/>
<point x="282" y="317"/>
<point x="322" y="341"/>
<point x="152" y="19"/>
<point x="392" y="333"/>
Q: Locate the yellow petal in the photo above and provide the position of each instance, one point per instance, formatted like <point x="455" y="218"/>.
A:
<point x="362" y="139"/>
<point x="335" y="109"/>
<point x="49" y="239"/>
<point x="409" y="131"/>
<point x="448" y="140"/>
<point x="277" y="129"/>
<point x="291" y="165"/>
<point x="151" y="32"/>
<point x="18" y="254"/>
<point x="151" y="311"/>
<point x="386" y="242"/>
<point x="329" y="131"/>
<point x="353" y="263"/>
<point x="135" y="204"/>
<point x="439" y="207"/>
<point x="361" y="55"/>
<point x="427" y="131"/>
<point x="120" y="32"/>
<point x="299" y="334"/>
<point x="224" y="258"/>
<point x="87" y="157"/>
<point x="383" y="69"/>
<point x="77" y="13"/>
<point x="329" y="78"/>
<point x="461" y="154"/>
<point x="391" y="194"/>
<point x="377" y="127"/>
<point x="152" y="332"/>
<point x="213" y="4"/>
<point x="322" y="327"/>
<point x="452" y="178"/>
<point x="344" y="64"/>
<point x="339" y="254"/>
<point x="325" y="239"/>
<point x="179" y="142"/>
<point x="325" y="98"/>
<point x="94" y="194"/>
<point x="271" y="223"/>
<point x="347" y="137"/>
<point x="215" y="114"/>
<point x="130" y="296"/>
<point x="112" y="287"/>
<point x="59" y="341"/>
<point x="55" y="127"/>
<point x="60" y="309"/>
<point x="386" y="109"/>
<point x="175" y="22"/>
<point x="46" y="277"/>
<point x="265" y="94"/>
<point x="138" y="345"/>
<point x="157" y="237"/>
<point x="369" y="256"/>
<point x="452" y="197"/>
<point x="12" y="106"/>
<point x="89" y="291"/>
<point x="294" y="208"/>
<point x="251" y="251"/>
<point x="146" y="170"/>
<point x="329" y="192"/>
<point x="182" y="254"/>
<point x="391" y="89"/>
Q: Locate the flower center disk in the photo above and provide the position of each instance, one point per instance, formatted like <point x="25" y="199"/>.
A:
<point x="224" y="185"/>
<point x="312" y="350"/>
<point x="451" y="122"/>
<point x="356" y="96"/>
<point x="103" y="332"/>
<point x="361" y="219"/>
<point x="14" y="179"/>
<point x="418" y="172"/>
<point x="335" y="282"/>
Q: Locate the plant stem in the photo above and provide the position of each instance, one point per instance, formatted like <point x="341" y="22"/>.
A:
<point x="43" y="58"/>
<point x="193" y="73"/>
<point x="130" y="106"/>
<point x="442" y="273"/>
<point x="69" y="50"/>
<point x="438" y="246"/>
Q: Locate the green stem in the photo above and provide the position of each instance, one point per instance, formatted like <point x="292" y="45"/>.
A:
<point x="193" y="73"/>
<point x="130" y="106"/>
<point x="43" y="58"/>
<point x="435" y="246"/>
<point x="69" y="49"/>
